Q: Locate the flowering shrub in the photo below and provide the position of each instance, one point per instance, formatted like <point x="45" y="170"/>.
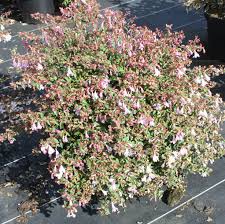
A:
<point x="213" y="8"/>
<point x="122" y="110"/>
<point x="4" y="35"/>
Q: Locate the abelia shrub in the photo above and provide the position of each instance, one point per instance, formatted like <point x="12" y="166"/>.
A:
<point x="122" y="110"/>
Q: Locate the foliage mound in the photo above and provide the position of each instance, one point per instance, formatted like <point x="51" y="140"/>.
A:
<point x="122" y="111"/>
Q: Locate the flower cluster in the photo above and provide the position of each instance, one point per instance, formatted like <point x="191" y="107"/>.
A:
<point x="122" y="109"/>
<point x="4" y="35"/>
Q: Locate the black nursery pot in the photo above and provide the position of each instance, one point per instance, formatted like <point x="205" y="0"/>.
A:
<point x="29" y="7"/>
<point x="216" y="37"/>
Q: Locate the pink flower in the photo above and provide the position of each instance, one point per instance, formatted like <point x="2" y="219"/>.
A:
<point x="104" y="83"/>
<point x="146" y="120"/>
<point x="58" y="30"/>
<point x="21" y="64"/>
<point x="123" y="106"/>
<point x="141" y="47"/>
<point x="47" y="149"/>
<point x="11" y="141"/>
<point x="179" y="137"/>
<point x="79" y="165"/>
<point x="137" y="105"/>
<point x="102" y="118"/>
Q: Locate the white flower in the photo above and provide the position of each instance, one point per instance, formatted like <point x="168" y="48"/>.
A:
<point x="201" y="81"/>
<point x="72" y="213"/>
<point x="132" y="189"/>
<point x="171" y="161"/>
<point x="149" y="169"/>
<point x="94" y="95"/>
<point x="157" y="106"/>
<point x="109" y="148"/>
<point x="2" y="27"/>
<point x="179" y="137"/>
<point x="148" y="178"/>
<point x="60" y="173"/>
<point x="104" y="192"/>
<point x="142" y="169"/>
<point x="41" y="87"/>
<point x="128" y="153"/>
<point x="84" y="2"/>
<point x="39" y="67"/>
<point x="114" y="208"/>
<point x="65" y="139"/>
<point x="113" y="184"/>
<point x="50" y="150"/>
<point x="167" y="104"/>
<point x="57" y="153"/>
<point x="180" y="72"/>
<point x="144" y="178"/>
<point x="7" y="37"/>
<point x="69" y="72"/>
<point x="203" y="113"/>
<point x="44" y="149"/>
<point x="155" y="157"/>
<point x="183" y="151"/>
<point x="196" y="55"/>
<point x="180" y="111"/>
<point x="39" y="125"/>
<point x="157" y="72"/>
<point x="193" y="132"/>
<point x="205" y="174"/>
<point x="125" y="93"/>
<point x="207" y="78"/>
<point x="123" y="106"/>
<point x="35" y="126"/>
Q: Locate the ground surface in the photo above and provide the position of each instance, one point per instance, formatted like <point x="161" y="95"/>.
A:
<point x="24" y="178"/>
